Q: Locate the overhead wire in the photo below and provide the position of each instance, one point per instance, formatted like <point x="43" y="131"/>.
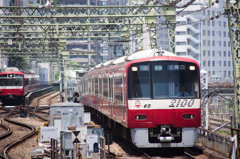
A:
<point x="165" y="22"/>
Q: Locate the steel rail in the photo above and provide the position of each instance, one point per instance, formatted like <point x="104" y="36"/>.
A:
<point x="11" y="145"/>
<point x="8" y="133"/>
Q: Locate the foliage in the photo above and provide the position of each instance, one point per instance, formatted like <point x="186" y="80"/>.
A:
<point x="222" y="133"/>
<point x="18" y="62"/>
<point x="75" y="65"/>
<point x="57" y="75"/>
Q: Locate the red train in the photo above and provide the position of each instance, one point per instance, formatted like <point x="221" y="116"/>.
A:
<point x="14" y="85"/>
<point x="151" y="97"/>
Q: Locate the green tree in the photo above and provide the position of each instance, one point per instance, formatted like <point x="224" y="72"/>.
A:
<point x="57" y="75"/>
<point x="18" y="62"/>
<point x="75" y="65"/>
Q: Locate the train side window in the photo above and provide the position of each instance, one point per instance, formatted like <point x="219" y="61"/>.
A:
<point x="92" y="81"/>
<point x="105" y="87"/>
<point x="96" y="85"/>
<point x="118" y="89"/>
<point x="100" y="86"/>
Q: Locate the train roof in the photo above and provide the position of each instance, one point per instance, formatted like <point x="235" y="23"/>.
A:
<point x="14" y="69"/>
<point x="134" y="56"/>
<point x="148" y="53"/>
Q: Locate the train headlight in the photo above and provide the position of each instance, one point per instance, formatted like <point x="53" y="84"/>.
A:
<point x="188" y="116"/>
<point x="140" y="117"/>
<point x="134" y="68"/>
<point x="192" y="68"/>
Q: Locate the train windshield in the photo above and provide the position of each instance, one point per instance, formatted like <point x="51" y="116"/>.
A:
<point x="11" y="80"/>
<point x="163" y="80"/>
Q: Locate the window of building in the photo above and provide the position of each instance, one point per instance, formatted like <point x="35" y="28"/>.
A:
<point x="224" y="53"/>
<point x="209" y="53"/>
<point x="229" y="54"/>
<point x="204" y="12"/>
<point x="208" y="23"/>
<point x="213" y="43"/>
<point x="204" y="53"/>
<point x="219" y="43"/>
<point x="213" y="72"/>
<point x="213" y="33"/>
<point x="208" y="32"/>
<point x="219" y="23"/>
<point x="204" y="63"/>
<point x="209" y="42"/>
<point x="229" y="44"/>
<point x="224" y="34"/>
<point x="219" y="53"/>
<point x="213" y="23"/>
<point x="204" y="42"/>
<point x="209" y="63"/>
<point x="229" y="73"/>
<point x="181" y="43"/>
<point x="213" y="63"/>
<point x="204" y="23"/>
<point x="224" y="43"/>
<point x="213" y="53"/>
<point x="208" y="12"/>
<point x="224" y="63"/>
<point x="219" y="63"/>
<point x="204" y="32"/>
<point x="219" y="33"/>
<point x="229" y="63"/>
<point x="224" y="24"/>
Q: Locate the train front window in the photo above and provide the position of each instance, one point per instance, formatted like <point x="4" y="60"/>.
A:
<point x="175" y="80"/>
<point x="140" y="81"/>
<point x="164" y="80"/>
<point x="11" y="80"/>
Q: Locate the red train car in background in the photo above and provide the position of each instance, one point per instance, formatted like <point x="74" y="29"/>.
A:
<point x="14" y="85"/>
<point x="151" y="97"/>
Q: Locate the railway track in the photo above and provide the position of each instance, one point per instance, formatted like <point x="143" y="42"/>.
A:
<point x="11" y="137"/>
<point x="125" y="149"/>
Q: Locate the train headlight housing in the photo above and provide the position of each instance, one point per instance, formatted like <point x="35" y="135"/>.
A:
<point x="192" y="68"/>
<point x="188" y="116"/>
<point x="134" y="68"/>
<point x="140" y="117"/>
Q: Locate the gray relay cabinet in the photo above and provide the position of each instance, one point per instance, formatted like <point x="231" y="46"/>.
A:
<point x="69" y="114"/>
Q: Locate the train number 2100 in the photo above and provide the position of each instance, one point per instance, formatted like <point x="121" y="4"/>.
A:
<point x="181" y="103"/>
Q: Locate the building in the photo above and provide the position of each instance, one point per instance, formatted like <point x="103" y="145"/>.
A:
<point x="203" y="39"/>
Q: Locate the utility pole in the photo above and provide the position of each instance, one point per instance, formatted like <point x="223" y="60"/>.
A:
<point x="232" y="10"/>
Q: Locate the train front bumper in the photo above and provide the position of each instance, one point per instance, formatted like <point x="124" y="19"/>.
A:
<point x="140" y="138"/>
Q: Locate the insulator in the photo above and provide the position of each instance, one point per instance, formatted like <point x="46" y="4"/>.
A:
<point x="211" y="18"/>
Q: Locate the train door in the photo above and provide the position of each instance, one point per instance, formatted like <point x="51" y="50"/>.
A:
<point x="89" y="91"/>
<point x="109" y="112"/>
<point x="124" y="90"/>
<point x="110" y="95"/>
<point x="92" y="93"/>
<point x="113" y="96"/>
<point x="100" y="94"/>
<point x="123" y="97"/>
